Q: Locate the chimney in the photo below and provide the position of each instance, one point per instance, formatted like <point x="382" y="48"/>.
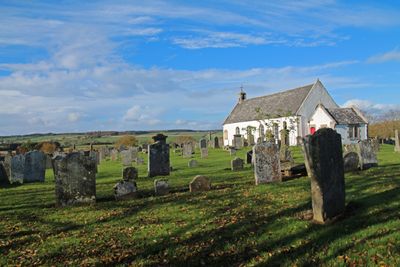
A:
<point x="242" y="95"/>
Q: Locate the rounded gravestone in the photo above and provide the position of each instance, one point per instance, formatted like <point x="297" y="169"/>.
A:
<point x="192" y="163"/>
<point x="351" y="162"/>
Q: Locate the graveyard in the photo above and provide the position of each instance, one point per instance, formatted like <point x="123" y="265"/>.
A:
<point x="234" y="222"/>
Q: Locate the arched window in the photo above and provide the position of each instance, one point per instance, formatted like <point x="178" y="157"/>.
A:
<point x="225" y="134"/>
<point x="261" y="130"/>
<point x="237" y="130"/>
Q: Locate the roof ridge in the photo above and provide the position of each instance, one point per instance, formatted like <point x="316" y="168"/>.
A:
<point x="277" y="93"/>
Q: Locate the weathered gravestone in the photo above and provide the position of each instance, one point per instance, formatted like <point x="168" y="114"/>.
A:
<point x="125" y="190"/>
<point x="204" y="153"/>
<point x="232" y="151"/>
<point x="216" y="142"/>
<point x="35" y="166"/>
<point x="158" y="163"/>
<point x="17" y="169"/>
<point x="7" y="166"/>
<point x="203" y="143"/>
<point x="324" y="163"/>
<point x="397" y="141"/>
<point x="187" y="150"/>
<point x="237" y="164"/>
<point x="200" y="183"/>
<point x="285" y="155"/>
<point x="161" y="187"/>
<point x="126" y="158"/>
<point x="237" y="141"/>
<point x="266" y="162"/>
<point x="134" y="153"/>
<point x="192" y="163"/>
<point x="367" y="155"/>
<point x="284" y="134"/>
<point x="129" y="173"/>
<point x="114" y="154"/>
<point x="351" y="162"/>
<point x="75" y="179"/>
<point x="250" y="139"/>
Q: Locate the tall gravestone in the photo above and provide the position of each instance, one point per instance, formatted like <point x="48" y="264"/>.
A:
<point x="7" y="166"/>
<point x="237" y="141"/>
<point x="204" y="153"/>
<point x="397" y="141"/>
<point x="75" y="179"/>
<point x="158" y="163"/>
<point x="35" y="166"/>
<point x="126" y="158"/>
<point x="3" y="174"/>
<point x="216" y="142"/>
<point x="17" y="169"/>
<point x="266" y="161"/>
<point x="367" y="154"/>
<point x="250" y="139"/>
<point x="324" y="163"/>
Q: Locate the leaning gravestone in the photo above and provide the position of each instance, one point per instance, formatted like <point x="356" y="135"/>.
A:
<point x="266" y="162"/>
<point x="192" y="163"/>
<point x="187" y="150"/>
<point x="203" y="143"/>
<point x="17" y="169"/>
<point x="396" y="141"/>
<point x="204" y="152"/>
<point x="75" y="179"/>
<point x="351" y="162"/>
<point x="161" y="187"/>
<point x="158" y="163"/>
<point x="35" y="166"/>
<point x="237" y="164"/>
<point x="216" y="142"/>
<point x="324" y="162"/>
<point x="200" y="183"/>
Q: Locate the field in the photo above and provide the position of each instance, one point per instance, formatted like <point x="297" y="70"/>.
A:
<point x="234" y="224"/>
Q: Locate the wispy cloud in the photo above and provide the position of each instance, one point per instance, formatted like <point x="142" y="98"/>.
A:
<point x="393" y="55"/>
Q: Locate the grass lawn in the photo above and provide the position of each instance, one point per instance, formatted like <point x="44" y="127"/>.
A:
<point x="234" y="224"/>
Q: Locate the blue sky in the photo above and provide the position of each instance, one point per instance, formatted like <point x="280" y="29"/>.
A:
<point x="70" y="66"/>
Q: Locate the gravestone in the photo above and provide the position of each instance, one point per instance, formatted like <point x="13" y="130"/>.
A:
<point x="267" y="167"/>
<point x="249" y="157"/>
<point x="260" y="140"/>
<point x="204" y="152"/>
<point x="285" y="155"/>
<point x="158" y="163"/>
<point x="397" y="141"/>
<point x="216" y="142"/>
<point x="237" y="141"/>
<point x="200" y="183"/>
<point x="192" y="163"/>
<point x="237" y="164"/>
<point x="324" y="162"/>
<point x="35" y="166"/>
<point x="134" y="153"/>
<point x="75" y="179"/>
<point x="232" y="151"/>
<point x="250" y="139"/>
<point x="126" y="158"/>
<point x="351" y="162"/>
<point x="7" y="166"/>
<point x="3" y="174"/>
<point x="187" y="150"/>
<point x="125" y="190"/>
<point x="367" y="155"/>
<point x="284" y="134"/>
<point x="161" y="187"/>
<point x="17" y="169"/>
<point x="114" y="154"/>
<point x="203" y="143"/>
<point x="129" y="174"/>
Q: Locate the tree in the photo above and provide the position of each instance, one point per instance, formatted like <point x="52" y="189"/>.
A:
<point x="47" y="147"/>
<point x="126" y="140"/>
<point x="182" y="139"/>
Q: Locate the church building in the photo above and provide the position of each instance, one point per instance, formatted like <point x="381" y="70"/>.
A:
<point x="299" y="112"/>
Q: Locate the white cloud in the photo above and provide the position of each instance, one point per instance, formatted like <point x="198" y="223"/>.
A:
<point x="371" y="107"/>
<point x="393" y="55"/>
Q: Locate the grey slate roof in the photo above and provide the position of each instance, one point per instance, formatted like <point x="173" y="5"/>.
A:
<point x="275" y="105"/>
<point x="346" y="116"/>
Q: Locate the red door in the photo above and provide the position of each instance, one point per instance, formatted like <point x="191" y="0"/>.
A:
<point x="312" y="130"/>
